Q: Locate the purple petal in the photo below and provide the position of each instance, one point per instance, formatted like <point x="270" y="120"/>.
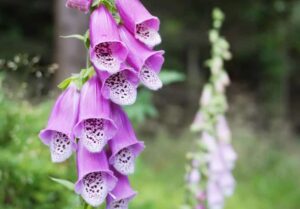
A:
<point x="121" y="195"/>
<point x="95" y="180"/>
<point x="124" y="146"/>
<point x="95" y="126"/>
<point x="107" y="52"/>
<point x="215" y="198"/>
<point x="228" y="154"/>
<point x="146" y="62"/>
<point x="121" y="87"/>
<point x="227" y="183"/>
<point x="82" y="5"/>
<point x="139" y="21"/>
<point x="223" y="131"/>
<point x="58" y="133"/>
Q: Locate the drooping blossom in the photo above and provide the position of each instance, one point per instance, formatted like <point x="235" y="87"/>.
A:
<point x="206" y="96"/>
<point x="95" y="126"/>
<point x="82" y="5"/>
<point x="58" y="133"/>
<point x="139" y="21"/>
<point x="124" y="146"/>
<point x="121" y="195"/>
<point x="107" y="51"/>
<point x="215" y="197"/>
<point x="227" y="183"/>
<point x="145" y="61"/>
<point x="228" y="154"/>
<point x="223" y="130"/>
<point x="121" y="87"/>
<point x="95" y="180"/>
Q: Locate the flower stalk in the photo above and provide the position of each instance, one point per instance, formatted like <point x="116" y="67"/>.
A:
<point x="208" y="174"/>
<point x="88" y="117"/>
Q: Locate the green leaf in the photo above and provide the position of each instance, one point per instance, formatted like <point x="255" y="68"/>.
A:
<point x="65" y="83"/>
<point x="76" y="36"/>
<point x="67" y="184"/>
<point x="171" y="76"/>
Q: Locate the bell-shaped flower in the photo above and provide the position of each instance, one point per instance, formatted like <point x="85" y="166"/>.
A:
<point x="226" y="183"/>
<point x="121" y="195"/>
<point x="200" y="206"/>
<point x="216" y="163"/>
<point x="193" y="176"/>
<point x="223" y="130"/>
<point x="121" y="87"/>
<point x="58" y="133"/>
<point x="107" y="51"/>
<point x="124" y="146"/>
<point x="82" y="5"/>
<point x="228" y="154"/>
<point x="95" y="180"/>
<point x="145" y="61"/>
<point x="139" y="21"/>
<point x="215" y="197"/>
<point x="95" y="126"/>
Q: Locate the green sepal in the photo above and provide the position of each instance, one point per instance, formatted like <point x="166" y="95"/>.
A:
<point x="67" y="184"/>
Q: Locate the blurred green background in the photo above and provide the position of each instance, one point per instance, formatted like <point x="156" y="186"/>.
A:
<point x="264" y="100"/>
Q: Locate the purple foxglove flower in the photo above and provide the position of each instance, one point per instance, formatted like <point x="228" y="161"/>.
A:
<point x="82" y="5"/>
<point x="226" y="183"/>
<point x="58" y="133"/>
<point x="193" y="176"/>
<point x="228" y="154"/>
<point x="209" y="142"/>
<point x="95" y="126"/>
<point x="121" y="87"/>
<point x="206" y="96"/>
<point x="200" y="206"/>
<point x="95" y="180"/>
<point x="215" y="198"/>
<point x="148" y="63"/>
<point x="124" y="146"/>
<point x="121" y="195"/>
<point x="107" y="52"/>
<point x="223" y="131"/>
<point x="139" y="21"/>
<point x="216" y="163"/>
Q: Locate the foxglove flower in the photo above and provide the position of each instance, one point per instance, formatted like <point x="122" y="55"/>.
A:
<point x="82" y="5"/>
<point x="95" y="126"/>
<point x="148" y="63"/>
<point x="95" y="180"/>
<point x="200" y="206"/>
<point x="222" y="128"/>
<point x="228" y="154"/>
<point x="124" y="146"/>
<point x="58" y="133"/>
<point x="121" y="87"/>
<point x="107" y="52"/>
<point x="139" y="21"/>
<point x="198" y="122"/>
<point x="121" y="195"/>
<point x="215" y="197"/>
<point x="226" y="183"/>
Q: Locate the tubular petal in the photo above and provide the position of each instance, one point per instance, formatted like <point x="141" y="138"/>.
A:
<point x="139" y="21"/>
<point x="58" y="133"/>
<point x="107" y="51"/>
<point x="95" y="126"/>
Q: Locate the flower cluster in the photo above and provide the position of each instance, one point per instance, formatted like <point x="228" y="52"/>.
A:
<point x="209" y="178"/>
<point x="88" y="119"/>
